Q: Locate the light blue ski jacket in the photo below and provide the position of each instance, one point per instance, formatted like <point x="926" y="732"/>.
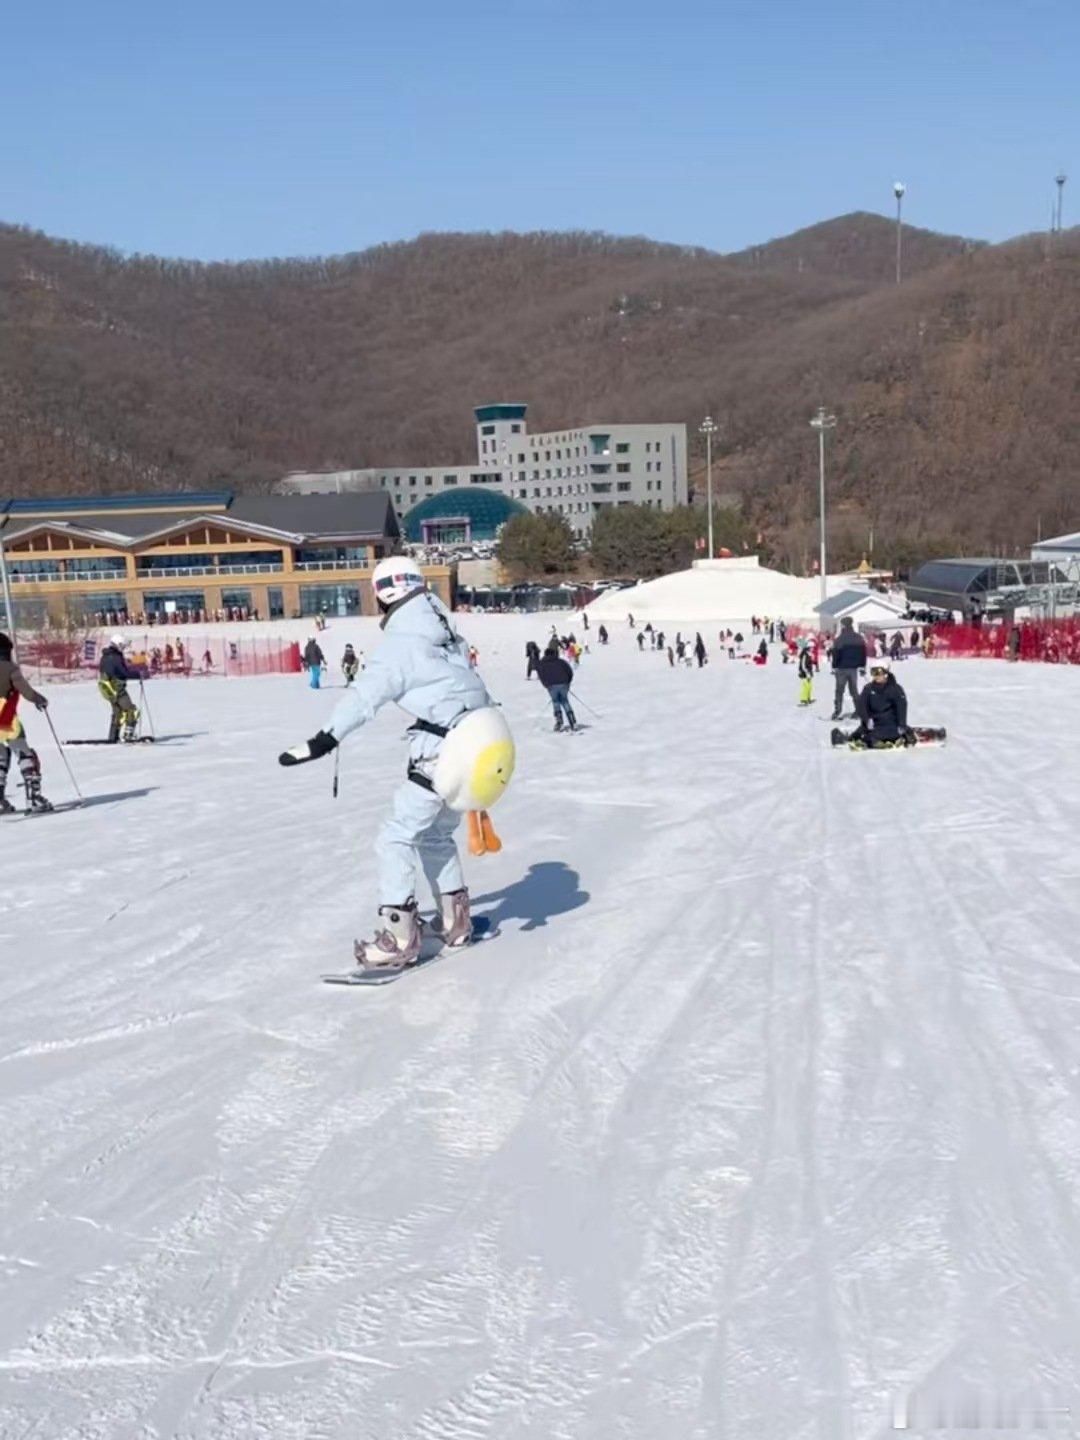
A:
<point x="422" y="665"/>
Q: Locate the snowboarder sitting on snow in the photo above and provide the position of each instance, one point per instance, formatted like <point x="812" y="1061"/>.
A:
<point x="350" y="665"/>
<point x="423" y="666"/>
<point x="113" y="674"/>
<point x="556" y="677"/>
<point x="13" y="741"/>
<point x="882" y="711"/>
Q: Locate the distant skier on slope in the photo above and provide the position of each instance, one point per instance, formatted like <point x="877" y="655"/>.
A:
<point x="314" y="660"/>
<point x="350" y="664"/>
<point x="848" y="658"/>
<point x="556" y="676"/>
<point x="113" y="674"/>
<point x="13" y="741"/>
<point x="423" y="666"/>
<point x="805" y="673"/>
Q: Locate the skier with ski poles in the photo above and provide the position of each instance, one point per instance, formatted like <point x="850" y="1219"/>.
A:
<point x="113" y="674"/>
<point x="460" y="760"/>
<point x="556" y="676"/>
<point x="13" y="740"/>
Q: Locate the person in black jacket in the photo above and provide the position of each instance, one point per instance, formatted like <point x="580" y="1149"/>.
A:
<point x="882" y="709"/>
<point x="556" y="677"/>
<point x="848" y="657"/>
<point x="532" y="658"/>
<point x="113" y="674"/>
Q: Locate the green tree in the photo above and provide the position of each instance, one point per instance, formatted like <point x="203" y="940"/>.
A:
<point x="629" y="540"/>
<point x="533" y="545"/>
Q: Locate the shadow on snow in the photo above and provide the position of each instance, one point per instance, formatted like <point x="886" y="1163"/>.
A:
<point x="546" y="890"/>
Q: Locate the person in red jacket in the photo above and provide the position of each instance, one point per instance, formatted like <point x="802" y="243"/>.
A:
<point x="13" y="686"/>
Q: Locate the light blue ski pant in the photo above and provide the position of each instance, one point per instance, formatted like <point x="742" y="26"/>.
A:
<point x="314" y="676"/>
<point x="420" y="828"/>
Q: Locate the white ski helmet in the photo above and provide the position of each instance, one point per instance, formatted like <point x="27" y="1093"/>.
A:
<point x="879" y="662"/>
<point x="118" y="641"/>
<point x="396" y="577"/>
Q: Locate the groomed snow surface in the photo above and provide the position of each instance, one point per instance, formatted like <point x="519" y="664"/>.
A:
<point x="758" y="1118"/>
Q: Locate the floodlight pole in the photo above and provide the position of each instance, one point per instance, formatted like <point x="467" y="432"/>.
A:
<point x="898" y="190"/>
<point x="708" y="428"/>
<point x="1059" y="181"/>
<point x="5" y="579"/>
<point x="821" y="422"/>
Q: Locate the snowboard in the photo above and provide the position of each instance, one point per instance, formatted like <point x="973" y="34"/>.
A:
<point x="431" y="949"/>
<point x="924" y="735"/>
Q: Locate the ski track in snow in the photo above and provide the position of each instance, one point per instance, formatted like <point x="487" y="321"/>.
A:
<point x="760" y="1113"/>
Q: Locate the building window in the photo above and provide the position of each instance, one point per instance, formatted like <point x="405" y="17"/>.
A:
<point x="623" y="469"/>
<point x="428" y="482"/>
<point x="412" y="479"/>
<point x="623" y="485"/>
<point x="622" y="448"/>
<point x="449" y="479"/>
<point x="515" y="429"/>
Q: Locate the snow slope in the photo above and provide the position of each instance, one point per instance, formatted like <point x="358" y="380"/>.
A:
<point x="759" y="1116"/>
<point x="729" y="590"/>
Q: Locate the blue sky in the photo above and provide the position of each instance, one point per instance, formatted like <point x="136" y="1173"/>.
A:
<point x="243" y="129"/>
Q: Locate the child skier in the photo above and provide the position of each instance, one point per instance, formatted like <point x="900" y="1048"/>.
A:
<point x="13" y="741"/>
<point x="805" y="673"/>
<point x="350" y="665"/>
<point x="423" y="666"/>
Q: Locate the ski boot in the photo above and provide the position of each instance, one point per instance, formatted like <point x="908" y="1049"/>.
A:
<point x="396" y="946"/>
<point x="6" y="807"/>
<point x="453" y="923"/>
<point x="36" y="804"/>
<point x="558" y="725"/>
<point x="128" y="736"/>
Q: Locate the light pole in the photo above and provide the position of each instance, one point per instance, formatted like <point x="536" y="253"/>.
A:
<point x="5" y="580"/>
<point x="708" y="428"/>
<point x="898" y="190"/>
<point x="821" y="422"/>
<point x="1059" y="181"/>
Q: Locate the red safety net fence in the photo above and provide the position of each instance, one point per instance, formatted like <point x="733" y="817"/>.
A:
<point x="1051" y="642"/>
<point x="76" y="657"/>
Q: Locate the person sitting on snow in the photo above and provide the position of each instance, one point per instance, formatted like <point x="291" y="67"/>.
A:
<point x="881" y="708"/>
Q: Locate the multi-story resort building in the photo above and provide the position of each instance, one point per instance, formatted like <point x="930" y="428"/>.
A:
<point x="575" y="473"/>
<point x="197" y="555"/>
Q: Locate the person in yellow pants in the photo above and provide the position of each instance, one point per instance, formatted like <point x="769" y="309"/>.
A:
<point x="805" y="673"/>
<point x="113" y="674"/>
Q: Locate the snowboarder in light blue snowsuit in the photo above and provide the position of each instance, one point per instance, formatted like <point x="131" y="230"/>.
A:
<point x="423" y="666"/>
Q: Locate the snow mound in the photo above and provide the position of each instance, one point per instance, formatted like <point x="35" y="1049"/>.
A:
<point x="715" y="590"/>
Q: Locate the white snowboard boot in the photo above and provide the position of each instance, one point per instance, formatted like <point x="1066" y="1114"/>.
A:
<point x="394" y="947"/>
<point x="453" y="924"/>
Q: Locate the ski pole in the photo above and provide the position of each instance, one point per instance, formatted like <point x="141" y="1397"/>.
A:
<point x="577" y="696"/>
<point x="146" y="707"/>
<point x="67" y="762"/>
<point x="337" y="763"/>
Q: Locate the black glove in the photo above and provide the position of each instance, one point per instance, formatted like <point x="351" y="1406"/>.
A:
<point x="40" y="702"/>
<point x="313" y="749"/>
